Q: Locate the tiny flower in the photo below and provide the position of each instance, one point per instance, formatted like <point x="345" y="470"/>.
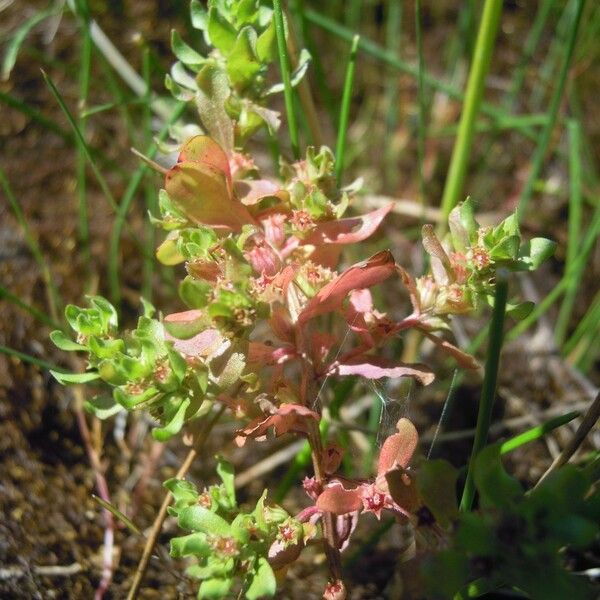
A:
<point x="335" y="590"/>
<point x="301" y="220"/>
<point x="312" y="487"/>
<point x="479" y="257"/>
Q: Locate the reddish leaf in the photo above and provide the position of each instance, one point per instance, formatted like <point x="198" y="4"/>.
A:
<point x="397" y="450"/>
<point x="462" y="358"/>
<point x="264" y="354"/>
<point x="205" y="150"/>
<point x="289" y="417"/>
<point x="332" y="458"/>
<point x="348" y="231"/>
<point x="201" y="192"/>
<point x="373" y="367"/>
<point x="252" y="191"/>
<point x="204" y="344"/>
<point x="365" y="274"/>
<point x="338" y="500"/>
<point x="184" y="325"/>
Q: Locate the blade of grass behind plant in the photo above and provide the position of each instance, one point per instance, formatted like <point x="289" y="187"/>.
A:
<point x="149" y="191"/>
<point x="121" y="216"/>
<point x="486" y="36"/>
<point x="53" y="296"/>
<point x="535" y="433"/>
<point x="589" y="239"/>
<point x="422" y="106"/>
<point x="12" y="48"/>
<point x="575" y="205"/>
<point x="544" y="138"/>
<point x="340" y="148"/>
<point x="284" y="64"/>
<point x="488" y="389"/>
<point x="585" y="332"/>
<point x="32" y="360"/>
<point x="84" y="88"/>
<point x="36" y="313"/>
<point x="393" y="35"/>
<point x="374" y="50"/>
<point x="529" y="47"/>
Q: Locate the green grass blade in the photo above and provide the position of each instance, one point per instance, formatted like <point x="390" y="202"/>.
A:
<point x="13" y="47"/>
<point x="340" y="148"/>
<point x="422" y="106"/>
<point x="587" y="327"/>
<point x="488" y="389"/>
<point x="36" y="313"/>
<point x="535" y="433"/>
<point x="544" y="139"/>
<point x="284" y="64"/>
<point x="580" y="262"/>
<point x="575" y="205"/>
<point x="32" y="360"/>
<point x="484" y="46"/>
<point x="531" y="43"/>
<point x="374" y="50"/>
<point x="81" y="140"/>
<point x="118" y="515"/>
<point x="124" y="205"/>
<point x="54" y="301"/>
<point x="84" y="88"/>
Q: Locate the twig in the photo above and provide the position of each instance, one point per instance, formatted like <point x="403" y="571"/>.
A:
<point x="162" y="513"/>
<point x="15" y="572"/>
<point x="589" y="420"/>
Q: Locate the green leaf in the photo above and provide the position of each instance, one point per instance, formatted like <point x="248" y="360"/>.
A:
<point x="68" y="378"/>
<point x="227" y="368"/>
<point x="60" y="340"/>
<point x="506" y="249"/>
<point x="436" y="482"/>
<point x="103" y="407"/>
<point x="297" y="74"/>
<point x="194" y="292"/>
<point x="536" y="251"/>
<point x="173" y="425"/>
<point x="242" y="62"/>
<point x="168" y="252"/>
<point x="199" y="16"/>
<point x="496" y="487"/>
<point x="198" y="518"/>
<point x="184" y="492"/>
<point x="187" y="55"/>
<point x="194" y="544"/>
<point x="215" y="588"/>
<point x="263" y="581"/>
<point x="105" y="348"/>
<point x="213" y="92"/>
<point x="463" y="226"/>
<point x="221" y="32"/>
<point x="266" y="44"/>
<point x="227" y="475"/>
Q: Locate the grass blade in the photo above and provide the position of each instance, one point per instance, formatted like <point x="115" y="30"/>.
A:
<point x="54" y="301"/>
<point x="32" y="360"/>
<point x="544" y="139"/>
<point x="490" y="19"/>
<point x="488" y="389"/>
<point x="535" y="433"/>
<point x="422" y="105"/>
<point x="340" y="148"/>
<point x="575" y="204"/>
<point x="36" y="313"/>
<point x="284" y="64"/>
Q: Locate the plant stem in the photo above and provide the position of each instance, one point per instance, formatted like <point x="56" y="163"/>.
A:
<point x="284" y="64"/>
<point x="422" y="105"/>
<point x="162" y="513"/>
<point x="340" y="148"/>
<point x="544" y="139"/>
<point x="488" y="390"/>
<point x="484" y="45"/>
